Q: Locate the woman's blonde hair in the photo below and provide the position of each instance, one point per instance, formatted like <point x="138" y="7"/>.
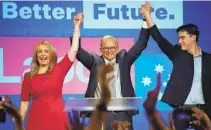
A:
<point x="35" y="63"/>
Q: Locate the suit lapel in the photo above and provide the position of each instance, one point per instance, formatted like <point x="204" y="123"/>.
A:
<point x="203" y="71"/>
<point x="102" y="58"/>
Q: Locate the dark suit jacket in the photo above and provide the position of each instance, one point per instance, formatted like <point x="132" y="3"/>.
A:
<point x="181" y="78"/>
<point x="125" y="59"/>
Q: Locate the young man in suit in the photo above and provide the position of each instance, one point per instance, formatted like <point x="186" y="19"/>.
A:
<point x="190" y="81"/>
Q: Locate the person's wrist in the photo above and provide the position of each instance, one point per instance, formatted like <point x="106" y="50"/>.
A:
<point x="76" y="28"/>
<point x="146" y="15"/>
<point x="76" y="33"/>
<point x="151" y="113"/>
<point x="153" y="117"/>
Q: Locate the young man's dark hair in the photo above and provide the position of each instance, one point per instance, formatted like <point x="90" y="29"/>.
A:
<point x="192" y="29"/>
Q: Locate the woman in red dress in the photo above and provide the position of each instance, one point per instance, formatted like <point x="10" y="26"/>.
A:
<point x="43" y="85"/>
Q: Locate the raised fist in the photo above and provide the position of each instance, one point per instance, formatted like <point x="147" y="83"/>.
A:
<point x="78" y="19"/>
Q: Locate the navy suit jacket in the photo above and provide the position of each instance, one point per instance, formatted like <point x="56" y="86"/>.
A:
<point x="181" y="79"/>
<point x="125" y="59"/>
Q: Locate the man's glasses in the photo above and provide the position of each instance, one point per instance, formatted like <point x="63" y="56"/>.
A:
<point x="109" y="48"/>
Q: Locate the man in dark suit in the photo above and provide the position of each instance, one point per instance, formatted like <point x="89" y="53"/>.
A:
<point x="122" y="61"/>
<point x="190" y="81"/>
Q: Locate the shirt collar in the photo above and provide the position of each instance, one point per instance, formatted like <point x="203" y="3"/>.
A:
<point x="107" y="61"/>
